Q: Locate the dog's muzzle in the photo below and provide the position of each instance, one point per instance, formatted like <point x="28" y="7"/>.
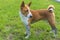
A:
<point x="29" y="15"/>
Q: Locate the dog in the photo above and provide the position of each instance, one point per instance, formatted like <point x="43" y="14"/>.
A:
<point x="29" y="16"/>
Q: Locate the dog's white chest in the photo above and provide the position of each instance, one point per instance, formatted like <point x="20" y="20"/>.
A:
<point x="24" y="19"/>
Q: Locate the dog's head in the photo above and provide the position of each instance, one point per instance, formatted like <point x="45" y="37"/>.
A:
<point x="25" y="9"/>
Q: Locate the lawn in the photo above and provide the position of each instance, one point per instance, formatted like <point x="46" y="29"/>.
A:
<point x="11" y="27"/>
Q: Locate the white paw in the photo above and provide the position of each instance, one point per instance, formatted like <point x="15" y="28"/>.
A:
<point x="51" y="32"/>
<point x="27" y="37"/>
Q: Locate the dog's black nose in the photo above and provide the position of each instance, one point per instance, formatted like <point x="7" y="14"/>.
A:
<point x="30" y="16"/>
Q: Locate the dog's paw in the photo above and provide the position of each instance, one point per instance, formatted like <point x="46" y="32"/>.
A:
<point x="27" y="36"/>
<point x="54" y="35"/>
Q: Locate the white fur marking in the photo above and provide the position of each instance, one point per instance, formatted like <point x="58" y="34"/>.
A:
<point x="29" y="14"/>
<point x="51" y="9"/>
<point x="23" y="18"/>
<point x="27" y="36"/>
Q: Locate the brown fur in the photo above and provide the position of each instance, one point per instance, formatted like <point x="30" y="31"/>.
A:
<point x="43" y="14"/>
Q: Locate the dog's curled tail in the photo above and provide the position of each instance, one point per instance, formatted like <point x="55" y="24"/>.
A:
<point x="51" y="8"/>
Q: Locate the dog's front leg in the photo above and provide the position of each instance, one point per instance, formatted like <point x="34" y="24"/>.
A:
<point x="27" y="34"/>
<point x="28" y="28"/>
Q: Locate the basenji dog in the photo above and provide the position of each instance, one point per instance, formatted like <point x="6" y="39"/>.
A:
<point x="29" y="16"/>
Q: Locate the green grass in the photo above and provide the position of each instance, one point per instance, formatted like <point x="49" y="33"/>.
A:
<point x="11" y="25"/>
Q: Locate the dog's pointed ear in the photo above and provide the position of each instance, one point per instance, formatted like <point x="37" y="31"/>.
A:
<point x="23" y="4"/>
<point x="29" y="4"/>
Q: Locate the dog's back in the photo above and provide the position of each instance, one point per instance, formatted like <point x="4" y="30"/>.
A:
<point x="43" y="13"/>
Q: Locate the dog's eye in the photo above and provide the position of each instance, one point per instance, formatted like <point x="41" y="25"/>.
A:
<point x="26" y="10"/>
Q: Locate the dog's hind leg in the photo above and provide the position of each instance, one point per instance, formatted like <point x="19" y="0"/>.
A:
<point x="51" y="21"/>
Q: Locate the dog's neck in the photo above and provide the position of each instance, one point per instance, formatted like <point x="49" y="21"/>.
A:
<point x="23" y="18"/>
